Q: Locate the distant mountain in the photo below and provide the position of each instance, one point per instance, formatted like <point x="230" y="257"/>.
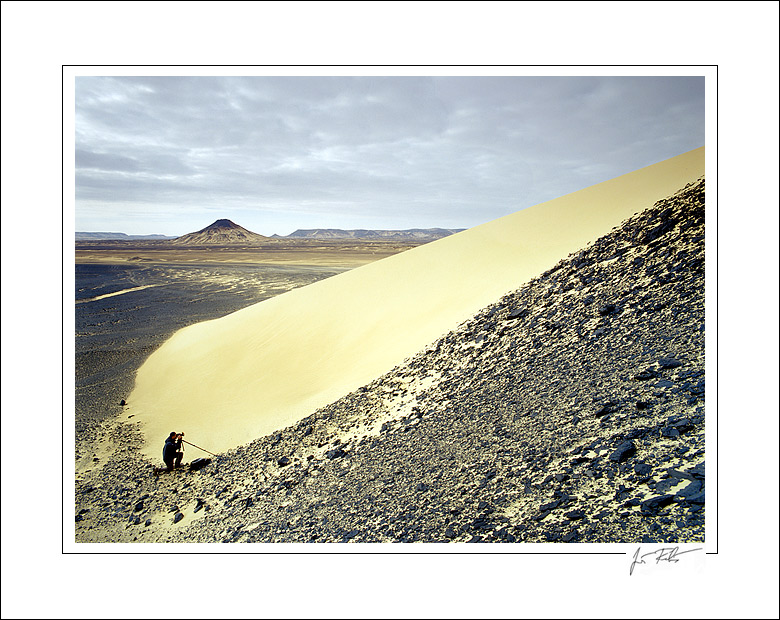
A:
<point x="413" y="234"/>
<point x="221" y="232"/>
<point x="116" y="236"/>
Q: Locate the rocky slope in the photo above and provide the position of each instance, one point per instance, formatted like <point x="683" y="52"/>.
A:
<point x="571" y="410"/>
<point x="221" y="232"/>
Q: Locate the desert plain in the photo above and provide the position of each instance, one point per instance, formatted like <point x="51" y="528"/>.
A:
<point x="539" y="378"/>
<point x="337" y="253"/>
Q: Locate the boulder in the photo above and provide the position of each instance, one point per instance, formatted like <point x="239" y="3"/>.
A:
<point x="607" y="309"/>
<point x="624" y="451"/>
<point x="653" y="505"/>
<point x="642" y="469"/>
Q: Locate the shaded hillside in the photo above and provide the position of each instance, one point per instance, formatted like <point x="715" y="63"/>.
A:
<point x="571" y="410"/>
<point x="221" y="232"/>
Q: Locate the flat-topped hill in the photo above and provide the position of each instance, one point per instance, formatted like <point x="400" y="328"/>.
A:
<point x="412" y="234"/>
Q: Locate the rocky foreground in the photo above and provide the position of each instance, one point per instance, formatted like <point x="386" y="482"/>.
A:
<point x="571" y="410"/>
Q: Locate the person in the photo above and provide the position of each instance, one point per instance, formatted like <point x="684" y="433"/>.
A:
<point x="172" y="453"/>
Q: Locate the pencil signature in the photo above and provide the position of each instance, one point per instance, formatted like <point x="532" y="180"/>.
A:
<point x="664" y="554"/>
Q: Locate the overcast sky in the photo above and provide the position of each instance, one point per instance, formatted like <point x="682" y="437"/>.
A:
<point x="172" y="154"/>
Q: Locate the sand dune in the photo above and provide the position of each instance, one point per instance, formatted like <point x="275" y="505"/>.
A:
<point x="228" y="381"/>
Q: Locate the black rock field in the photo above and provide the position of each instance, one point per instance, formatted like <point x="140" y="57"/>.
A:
<point x="570" y="411"/>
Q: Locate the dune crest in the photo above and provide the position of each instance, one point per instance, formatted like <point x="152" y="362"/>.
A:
<point x="231" y="380"/>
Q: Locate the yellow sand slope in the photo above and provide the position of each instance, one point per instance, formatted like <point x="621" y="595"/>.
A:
<point x="231" y="380"/>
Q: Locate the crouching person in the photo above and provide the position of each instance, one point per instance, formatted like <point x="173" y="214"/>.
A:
<point x="172" y="453"/>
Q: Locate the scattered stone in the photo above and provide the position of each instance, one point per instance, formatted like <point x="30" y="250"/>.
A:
<point x="645" y="375"/>
<point x="518" y="313"/>
<point x="668" y="362"/>
<point x="683" y="425"/>
<point x="177" y="517"/>
<point x="691" y="490"/>
<point x="642" y="469"/>
<point x="282" y="462"/>
<point x="575" y="514"/>
<point x="697" y="471"/>
<point x="335" y="453"/>
<point x="680" y="475"/>
<point x="697" y="499"/>
<point x="605" y="409"/>
<point x="651" y="506"/>
<point x="624" y="451"/>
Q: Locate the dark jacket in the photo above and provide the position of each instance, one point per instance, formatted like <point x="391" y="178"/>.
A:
<point x="170" y="448"/>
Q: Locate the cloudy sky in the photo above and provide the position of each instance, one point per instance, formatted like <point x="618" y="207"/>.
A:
<point x="172" y="154"/>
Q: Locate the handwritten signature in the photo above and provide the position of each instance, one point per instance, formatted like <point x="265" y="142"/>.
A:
<point x="664" y="554"/>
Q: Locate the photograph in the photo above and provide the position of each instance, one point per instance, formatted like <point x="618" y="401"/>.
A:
<point x="390" y="309"/>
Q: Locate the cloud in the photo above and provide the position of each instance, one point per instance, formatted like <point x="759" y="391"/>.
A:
<point x="381" y="152"/>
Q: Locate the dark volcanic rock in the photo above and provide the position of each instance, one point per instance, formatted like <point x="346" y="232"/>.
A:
<point x="624" y="451"/>
<point x="518" y="313"/>
<point x="654" y="504"/>
<point x="336" y="453"/>
<point x="691" y="490"/>
<point x="642" y="469"/>
<point x="605" y="409"/>
<point x="645" y="375"/>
